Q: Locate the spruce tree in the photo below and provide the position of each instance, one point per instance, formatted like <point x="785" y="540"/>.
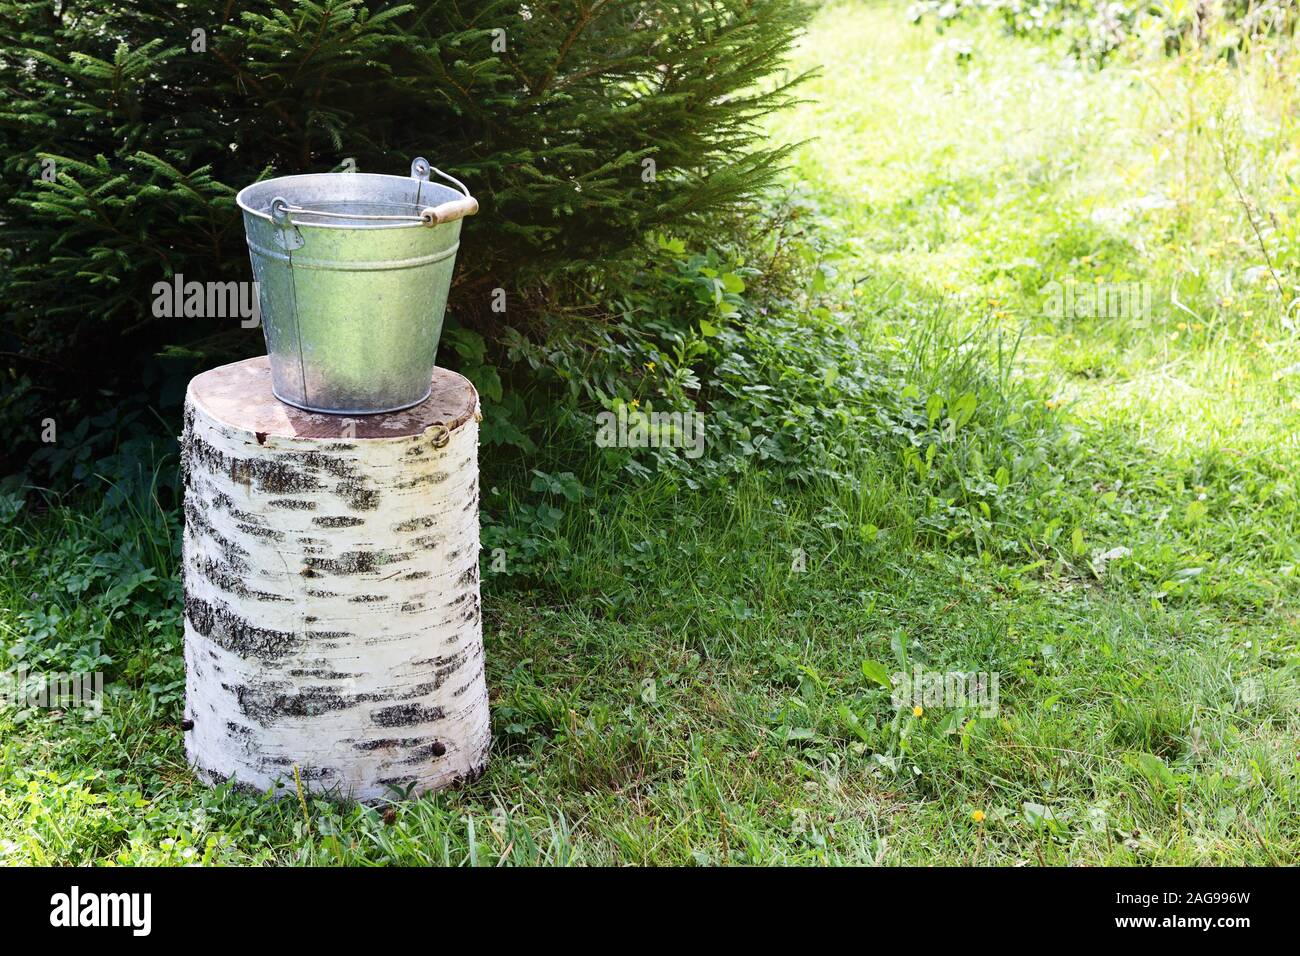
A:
<point x="129" y="125"/>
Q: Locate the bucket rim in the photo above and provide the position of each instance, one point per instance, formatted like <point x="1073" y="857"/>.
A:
<point x="297" y="179"/>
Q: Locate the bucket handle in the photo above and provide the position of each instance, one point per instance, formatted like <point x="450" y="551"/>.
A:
<point x="448" y="211"/>
<point x="443" y="212"/>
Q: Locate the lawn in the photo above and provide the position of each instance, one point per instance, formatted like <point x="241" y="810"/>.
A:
<point x="1100" y="511"/>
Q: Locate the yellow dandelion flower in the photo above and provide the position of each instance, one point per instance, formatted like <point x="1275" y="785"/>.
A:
<point x="918" y="710"/>
<point x="978" y="816"/>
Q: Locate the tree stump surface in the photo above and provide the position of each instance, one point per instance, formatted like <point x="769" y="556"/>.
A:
<point x="240" y="395"/>
<point x="333" y="631"/>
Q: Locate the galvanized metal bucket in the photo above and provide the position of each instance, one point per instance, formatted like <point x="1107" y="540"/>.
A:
<point x="353" y="272"/>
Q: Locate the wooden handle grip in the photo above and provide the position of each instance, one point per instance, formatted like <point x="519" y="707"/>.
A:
<point x="449" y="211"/>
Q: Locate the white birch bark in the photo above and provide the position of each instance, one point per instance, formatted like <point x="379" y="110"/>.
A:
<point x="332" y="617"/>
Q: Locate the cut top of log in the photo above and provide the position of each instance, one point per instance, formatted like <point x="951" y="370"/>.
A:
<point x="239" y="395"/>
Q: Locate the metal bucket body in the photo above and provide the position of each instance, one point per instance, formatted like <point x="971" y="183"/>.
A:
<point x="353" y="272"/>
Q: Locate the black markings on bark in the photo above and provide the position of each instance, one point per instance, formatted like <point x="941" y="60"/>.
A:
<point x="425" y="753"/>
<point x="246" y="517"/>
<point x="415" y="524"/>
<point x="267" y="703"/>
<point x="231" y="632"/>
<point x="187" y="433"/>
<point x="260" y="531"/>
<point x="367" y="598"/>
<point x="337" y="521"/>
<point x="320" y="673"/>
<point x="406" y="715"/>
<point x="460" y="691"/>
<point x="224" y="578"/>
<point x="197" y="523"/>
<point x="421" y="480"/>
<point x="277" y="476"/>
<point x="391" y="743"/>
<point x="359" y="497"/>
<point x="292" y="504"/>
<point x="316" y="773"/>
<point x="289" y="474"/>
<point x="353" y="562"/>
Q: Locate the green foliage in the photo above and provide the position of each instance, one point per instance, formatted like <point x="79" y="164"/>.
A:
<point x="104" y="597"/>
<point x="790" y="384"/>
<point x="127" y="128"/>
<point x="1096" y="28"/>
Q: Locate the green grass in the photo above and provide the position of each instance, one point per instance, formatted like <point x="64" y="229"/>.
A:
<point x="669" y="687"/>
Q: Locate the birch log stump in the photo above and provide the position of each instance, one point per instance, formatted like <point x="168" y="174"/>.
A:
<point x="332" y="621"/>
